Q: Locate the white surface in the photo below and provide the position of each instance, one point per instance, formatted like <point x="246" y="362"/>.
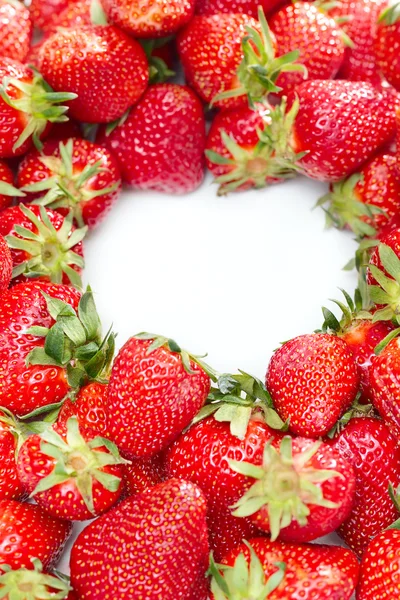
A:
<point x="231" y="276"/>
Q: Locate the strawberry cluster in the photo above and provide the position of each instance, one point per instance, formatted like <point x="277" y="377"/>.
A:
<point x="199" y="485"/>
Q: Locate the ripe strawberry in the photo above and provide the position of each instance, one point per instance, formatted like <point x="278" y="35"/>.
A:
<point x="75" y="14"/>
<point x="7" y="189"/>
<point x="310" y="572"/>
<point x="28" y="106"/>
<point x="32" y="584"/>
<point x="89" y="407"/>
<point x="386" y="43"/>
<point x="16" y="30"/>
<point x="171" y="162"/>
<point x="149" y="18"/>
<point x="45" y="11"/>
<point x="10" y="486"/>
<point x="61" y="132"/>
<point x="383" y="275"/>
<point x="385" y="386"/>
<point x="380" y="566"/>
<point x="340" y="125"/>
<point x="143" y="473"/>
<point x="312" y="379"/>
<point x="155" y="390"/>
<point x="5" y="265"/>
<point x="69" y="59"/>
<point x="72" y="175"/>
<point x="166" y="525"/>
<point x="26" y="532"/>
<point x="247" y="7"/>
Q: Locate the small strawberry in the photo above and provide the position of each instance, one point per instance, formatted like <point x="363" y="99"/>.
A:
<point x="28" y="106"/>
<point x="75" y="14"/>
<point x="269" y="570"/>
<point x="7" y="189"/>
<point x="247" y="7"/>
<point x="89" y="407"/>
<point x="149" y="18"/>
<point x="26" y="532"/>
<point x="155" y="390"/>
<point x="72" y="175"/>
<point x="44" y="12"/>
<point x="33" y="584"/>
<point x="312" y="379"/>
<point x="10" y="485"/>
<point x="164" y="525"/>
<point x="143" y="473"/>
<point x="386" y="44"/>
<point x="171" y="162"/>
<point x="379" y="572"/>
<point x="69" y="59"/>
<point x="16" y="30"/>
<point x="5" y="265"/>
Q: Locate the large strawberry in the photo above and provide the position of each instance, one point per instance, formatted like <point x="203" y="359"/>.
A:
<point x="149" y="18"/>
<point x="312" y="379"/>
<point x="89" y="407"/>
<point x="33" y="584"/>
<point x="155" y="390"/>
<point x="5" y="265"/>
<point x="26" y="532"/>
<point x="74" y="174"/>
<point x="69" y="60"/>
<point x="379" y="573"/>
<point x="28" y="106"/>
<point x="385" y="385"/>
<point x="16" y="30"/>
<point x="160" y="145"/>
<point x="164" y="525"/>
<point x="10" y="485"/>
<point x="386" y="44"/>
<point x="276" y="571"/>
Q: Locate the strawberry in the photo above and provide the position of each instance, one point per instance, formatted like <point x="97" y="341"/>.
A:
<point x="149" y="18"/>
<point x="69" y="59"/>
<point x="32" y="584"/>
<point x="5" y="265"/>
<point x="73" y="475"/>
<point x="61" y="132"/>
<point x="386" y="44"/>
<point x="366" y="201"/>
<point x="247" y="7"/>
<point x="142" y="474"/>
<point x="305" y="27"/>
<point x="362" y="119"/>
<point x="155" y="390"/>
<point x="43" y="244"/>
<point x="10" y="485"/>
<point x="72" y="175"/>
<point x="45" y="11"/>
<point x="385" y="386"/>
<point x="380" y="566"/>
<point x="27" y="532"/>
<point x="383" y="277"/>
<point x="75" y="14"/>
<point x="16" y="30"/>
<point x="28" y="106"/>
<point x="172" y="162"/>
<point x="89" y="407"/>
<point x="164" y="525"/>
<point x="265" y="569"/>
<point x="312" y="379"/>
<point x="7" y="189"/>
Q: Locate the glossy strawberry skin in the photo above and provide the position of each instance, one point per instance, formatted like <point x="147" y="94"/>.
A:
<point x="246" y="7"/>
<point x="69" y="59"/>
<point x="151" y="398"/>
<point x="172" y="162"/>
<point x="27" y="531"/>
<point x="210" y="49"/>
<point x="25" y="388"/>
<point x="385" y="385"/>
<point x="313" y="572"/>
<point x="386" y="52"/>
<point x="45" y="11"/>
<point x="340" y="124"/>
<point x="89" y="407"/>
<point x="313" y="379"/>
<point x="16" y="30"/>
<point x="10" y="486"/>
<point x="149" y="18"/>
<point x="304" y="27"/>
<point x="165" y="524"/>
<point x="5" y="265"/>
<point x="380" y="567"/>
<point x="143" y="473"/>
<point x="367" y="444"/>
<point x="76" y="14"/>
<point x="7" y="176"/>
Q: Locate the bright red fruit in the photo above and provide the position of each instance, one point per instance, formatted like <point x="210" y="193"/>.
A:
<point x="383" y="274"/>
<point x="5" y="265"/>
<point x="379" y="573"/>
<point x="7" y="189"/>
<point x="312" y="379"/>
<point x="45" y="11"/>
<point x="160" y="146"/>
<point x="247" y="7"/>
<point x="165" y="525"/>
<point x="149" y="18"/>
<point x="155" y="391"/>
<point x="26" y="532"/>
<point x="385" y="385"/>
<point x="69" y="59"/>
<point x="89" y="407"/>
<point x="72" y="175"/>
<point x="16" y="30"/>
<point x="143" y="473"/>
<point x="10" y="485"/>
<point x="386" y="45"/>
<point x="76" y="14"/>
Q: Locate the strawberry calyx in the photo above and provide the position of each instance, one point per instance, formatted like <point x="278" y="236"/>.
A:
<point x="79" y="460"/>
<point x="244" y="580"/>
<point x="16" y="428"/>
<point x="356" y="410"/>
<point x="40" y="103"/>
<point x="260" y="68"/>
<point x="28" y="584"/>
<point x="50" y="251"/>
<point x="390" y="15"/>
<point x="158" y="69"/>
<point x="6" y="189"/>
<point x="285" y="485"/>
<point x="387" y="292"/>
<point x="352" y="311"/>
<point x="68" y="188"/>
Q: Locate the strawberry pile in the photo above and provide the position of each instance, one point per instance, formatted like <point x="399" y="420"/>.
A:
<point x="197" y="484"/>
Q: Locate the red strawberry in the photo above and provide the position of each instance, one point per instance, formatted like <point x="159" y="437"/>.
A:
<point x="143" y="473"/>
<point x="340" y="124"/>
<point x="89" y="407"/>
<point x="380" y="567"/>
<point x="7" y="189"/>
<point x="45" y="11"/>
<point x="312" y="379"/>
<point x="61" y="132"/>
<point x="73" y="475"/>
<point x="149" y="18"/>
<point x="385" y="385"/>
<point x="10" y="486"/>
<point x="26" y="123"/>
<point x="69" y="59"/>
<point x="155" y="390"/>
<point x="165" y="525"/>
<point x="386" y="45"/>
<point x="16" y="30"/>
<point x="304" y="27"/>
<point x="247" y="7"/>
<point x="5" y="265"/>
<point x="75" y="14"/>
<point x="383" y="275"/>
<point x="32" y="584"/>
<point x="56" y="252"/>
<point x="26" y="532"/>
<point x="171" y="162"/>
<point x="73" y="175"/>
<point x="309" y="572"/>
